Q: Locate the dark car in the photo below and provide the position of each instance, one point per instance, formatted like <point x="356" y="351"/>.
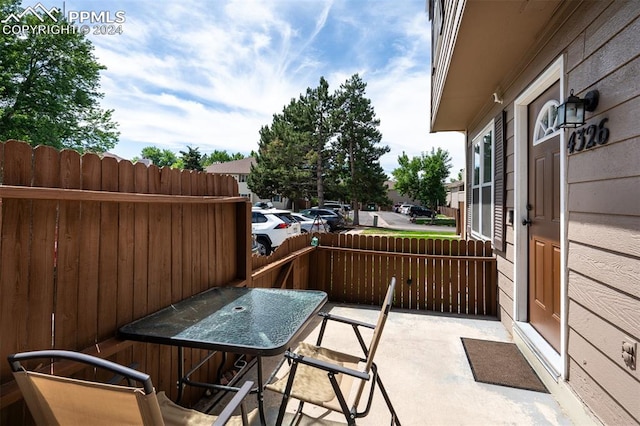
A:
<point x="334" y="219"/>
<point x="420" y="211"/>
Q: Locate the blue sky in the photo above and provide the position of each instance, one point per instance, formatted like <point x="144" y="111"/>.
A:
<point x="209" y="74"/>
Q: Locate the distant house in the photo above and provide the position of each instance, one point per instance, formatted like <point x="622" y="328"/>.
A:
<point x="147" y="162"/>
<point x="455" y="193"/>
<point x="560" y="204"/>
<point x="395" y="197"/>
<point x="240" y="170"/>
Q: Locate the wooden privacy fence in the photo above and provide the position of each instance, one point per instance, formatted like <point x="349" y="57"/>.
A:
<point x="287" y="267"/>
<point x="455" y="276"/>
<point x="435" y="275"/>
<point x="89" y="244"/>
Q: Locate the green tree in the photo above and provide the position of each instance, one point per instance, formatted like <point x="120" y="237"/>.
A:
<point x="436" y="168"/>
<point x="192" y="159"/>
<point x="49" y="87"/>
<point x="422" y="178"/>
<point x="284" y="162"/>
<point x="159" y="157"/>
<point x="357" y="148"/>
<point x="317" y="119"/>
<point x="220" y="157"/>
<point x="458" y="176"/>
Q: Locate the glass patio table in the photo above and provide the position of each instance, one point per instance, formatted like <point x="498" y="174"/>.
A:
<point x="250" y="321"/>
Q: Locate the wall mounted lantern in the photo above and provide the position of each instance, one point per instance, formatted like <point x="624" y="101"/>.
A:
<point x="571" y="113"/>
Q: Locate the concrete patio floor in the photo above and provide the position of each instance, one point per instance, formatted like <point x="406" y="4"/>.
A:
<point x="423" y="365"/>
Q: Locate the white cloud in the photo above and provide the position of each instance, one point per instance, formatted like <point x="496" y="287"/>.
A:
<point x="210" y="74"/>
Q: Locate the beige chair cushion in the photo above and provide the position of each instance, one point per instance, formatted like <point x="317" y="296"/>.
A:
<point x="312" y="384"/>
<point x="176" y="415"/>
<point x="62" y="400"/>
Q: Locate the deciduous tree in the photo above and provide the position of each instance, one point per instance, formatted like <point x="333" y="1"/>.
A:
<point x="159" y="157"/>
<point x="50" y="87"/>
<point x="422" y="178"/>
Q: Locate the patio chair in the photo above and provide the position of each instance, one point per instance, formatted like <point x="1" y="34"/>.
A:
<point x="333" y="379"/>
<point x="53" y="399"/>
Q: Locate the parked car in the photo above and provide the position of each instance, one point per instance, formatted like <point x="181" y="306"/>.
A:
<point x="271" y="227"/>
<point x="255" y="247"/>
<point x="420" y="211"/>
<point x="404" y="208"/>
<point x="333" y="206"/>
<point x="334" y="219"/>
<point x="263" y="204"/>
<point x="311" y="225"/>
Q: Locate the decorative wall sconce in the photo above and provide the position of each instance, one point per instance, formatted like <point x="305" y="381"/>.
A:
<point x="571" y="113"/>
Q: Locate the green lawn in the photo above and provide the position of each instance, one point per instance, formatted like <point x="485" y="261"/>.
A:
<point x="411" y="234"/>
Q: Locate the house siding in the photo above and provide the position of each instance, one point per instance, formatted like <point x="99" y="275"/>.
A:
<point x="600" y="42"/>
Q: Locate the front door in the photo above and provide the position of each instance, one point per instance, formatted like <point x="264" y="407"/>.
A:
<point x="544" y="219"/>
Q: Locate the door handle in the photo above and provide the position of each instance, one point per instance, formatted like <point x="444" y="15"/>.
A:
<point x="526" y="222"/>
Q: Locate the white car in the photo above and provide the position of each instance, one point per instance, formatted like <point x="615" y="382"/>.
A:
<point x="404" y="209"/>
<point x="311" y="225"/>
<point x="271" y="227"/>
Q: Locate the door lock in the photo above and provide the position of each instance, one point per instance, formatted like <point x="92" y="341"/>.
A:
<point x="526" y="222"/>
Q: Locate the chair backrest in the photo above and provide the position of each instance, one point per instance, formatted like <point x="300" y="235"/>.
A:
<point x="61" y="400"/>
<point x="377" y="333"/>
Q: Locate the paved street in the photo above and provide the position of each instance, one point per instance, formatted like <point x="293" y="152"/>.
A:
<point x="398" y="221"/>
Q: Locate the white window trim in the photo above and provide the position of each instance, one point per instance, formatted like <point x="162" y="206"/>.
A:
<point x="545" y="111"/>
<point x="477" y="139"/>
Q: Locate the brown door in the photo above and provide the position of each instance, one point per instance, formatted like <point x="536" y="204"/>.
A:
<point x="544" y="227"/>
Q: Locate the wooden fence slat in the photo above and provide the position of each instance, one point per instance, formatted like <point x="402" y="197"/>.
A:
<point x="43" y="233"/>
<point x="421" y="282"/>
<point x="68" y="253"/>
<point x="89" y="256"/>
<point x="472" y="283"/>
<point x="337" y="281"/>
<point x="14" y="274"/>
<point x="213" y="217"/>
<point x="125" y="257"/>
<point x="357" y="273"/>
<point x="438" y="282"/>
<point x="455" y="279"/>
<point x="126" y="252"/>
<point x="379" y="277"/>
<point x="386" y="268"/>
<point x="108" y="252"/>
<point x="415" y="278"/>
<point x="464" y="289"/>
<point x="406" y="273"/>
<point x="176" y="239"/>
<point x="430" y="281"/>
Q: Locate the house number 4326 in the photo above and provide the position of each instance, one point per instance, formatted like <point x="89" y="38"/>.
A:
<point x="588" y="137"/>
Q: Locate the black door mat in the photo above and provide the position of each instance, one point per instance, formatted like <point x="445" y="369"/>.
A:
<point x="501" y="363"/>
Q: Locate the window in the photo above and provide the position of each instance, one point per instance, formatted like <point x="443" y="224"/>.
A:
<point x="258" y="217"/>
<point x="437" y="21"/>
<point x="546" y="123"/>
<point x="482" y="183"/>
<point x="242" y="178"/>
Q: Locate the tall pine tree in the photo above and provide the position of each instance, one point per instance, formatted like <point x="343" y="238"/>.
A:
<point x="358" y="142"/>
